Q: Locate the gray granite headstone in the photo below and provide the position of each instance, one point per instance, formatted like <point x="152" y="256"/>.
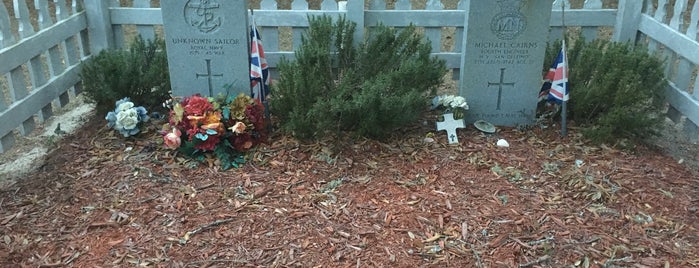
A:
<point x="207" y="46"/>
<point x="504" y="48"/>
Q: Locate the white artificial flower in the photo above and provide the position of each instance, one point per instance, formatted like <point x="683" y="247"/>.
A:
<point x="447" y="100"/>
<point x="125" y="106"/>
<point x="459" y="102"/>
<point x="127" y="119"/>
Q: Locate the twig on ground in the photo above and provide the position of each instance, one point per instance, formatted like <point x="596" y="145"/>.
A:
<point x="613" y="260"/>
<point x="479" y="263"/>
<point x="202" y="228"/>
<point x="534" y="262"/>
<point x="208" y="262"/>
<point x="540" y="241"/>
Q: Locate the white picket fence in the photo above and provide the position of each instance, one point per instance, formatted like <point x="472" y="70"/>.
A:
<point x="40" y="62"/>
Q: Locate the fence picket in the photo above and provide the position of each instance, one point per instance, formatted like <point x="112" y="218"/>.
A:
<point x="118" y="30"/>
<point x="43" y="18"/>
<point x="459" y="31"/>
<point x="328" y="5"/>
<point x="147" y="32"/>
<point x="683" y="73"/>
<point x="269" y="35"/>
<point x="25" y="28"/>
<point x="693" y="28"/>
<point x="18" y="90"/>
<point x="377" y="5"/>
<point x="659" y="15"/>
<point x="297" y="32"/>
<point x="6" y="36"/>
<point x="62" y="10"/>
<point x="403" y="5"/>
<point x="434" y="34"/>
<point x="556" y="33"/>
<point x="590" y="33"/>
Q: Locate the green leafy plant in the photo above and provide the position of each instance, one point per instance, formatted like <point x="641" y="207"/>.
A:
<point x="141" y="73"/>
<point x="371" y="89"/>
<point x="616" y="90"/>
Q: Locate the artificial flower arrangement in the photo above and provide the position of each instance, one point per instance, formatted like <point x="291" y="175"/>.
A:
<point x="451" y="104"/>
<point x="126" y="117"/>
<point x="227" y="126"/>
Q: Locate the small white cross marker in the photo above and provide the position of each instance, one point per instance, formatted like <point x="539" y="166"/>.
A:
<point x="450" y="125"/>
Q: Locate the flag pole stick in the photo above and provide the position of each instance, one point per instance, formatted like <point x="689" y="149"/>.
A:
<point x="564" y="127"/>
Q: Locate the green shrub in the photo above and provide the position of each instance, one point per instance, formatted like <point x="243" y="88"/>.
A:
<point x="140" y="73"/>
<point x="371" y="90"/>
<point x="616" y="90"/>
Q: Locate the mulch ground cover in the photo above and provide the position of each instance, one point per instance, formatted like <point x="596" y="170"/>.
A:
<point x="545" y="201"/>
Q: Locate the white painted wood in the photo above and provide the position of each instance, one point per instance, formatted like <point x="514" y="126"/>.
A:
<point x="590" y="33"/>
<point x="297" y="32"/>
<point x="434" y="34"/>
<point x="328" y="5"/>
<point x="375" y="4"/>
<point x="403" y="5"/>
<point x="627" y="20"/>
<point x="663" y="34"/>
<point x="6" y="37"/>
<point x="101" y="33"/>
<point x="693" y="28"/>
<point x="269" y="35"/>
<point x="39" y="97"/>
<point x="593" y="4"/>
<point x="683" y="102"/>
<point x="355" y="13"/>
<point x="62" y="9"/>
<point x="25" y="27"/>
<point x="557" y="4"/>
<point x="138" y="16"/>
<point x="661" y="11"/>
<point x="17" y="55"/>
<point x="459" y="29"/>
<point x="677" y="20"/>
<point x="146" y="31"/>
<point x="43" y="18"/>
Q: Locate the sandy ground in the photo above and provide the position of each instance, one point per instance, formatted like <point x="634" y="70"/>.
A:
<point x="29" y="152"/>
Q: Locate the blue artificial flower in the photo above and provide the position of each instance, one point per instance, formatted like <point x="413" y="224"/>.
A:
<point x="125" y="117"/>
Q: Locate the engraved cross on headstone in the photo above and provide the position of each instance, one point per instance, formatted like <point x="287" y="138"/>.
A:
<point x="209" y="76"/>
<point x="500" y="84"/>
<point x="450" y="125"/>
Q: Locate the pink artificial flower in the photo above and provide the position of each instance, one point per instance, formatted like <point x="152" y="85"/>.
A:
<point x="238" y="128"/>
<point x="172" y="139"/>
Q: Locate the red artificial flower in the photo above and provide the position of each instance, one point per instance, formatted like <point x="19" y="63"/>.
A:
<point x="197" y="105"/>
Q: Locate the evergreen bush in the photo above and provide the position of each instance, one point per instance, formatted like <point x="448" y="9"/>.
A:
<point x="616" y="90"/>
<point x="140" y="73"/>
<point x="371" y="89"/>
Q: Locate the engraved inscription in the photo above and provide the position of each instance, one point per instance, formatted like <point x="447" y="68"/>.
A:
<point x="206" y="46"/>
<point x="504" y="53"/>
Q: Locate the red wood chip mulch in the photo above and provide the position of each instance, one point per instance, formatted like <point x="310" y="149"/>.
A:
<point x="104" y="201"/>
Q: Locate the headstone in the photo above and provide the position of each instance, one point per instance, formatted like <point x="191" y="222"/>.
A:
<point x="501" y="66"/>
<point x="450" y="125"/>
<point x="207" y="46"/>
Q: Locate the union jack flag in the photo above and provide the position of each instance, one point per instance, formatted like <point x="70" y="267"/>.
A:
<point x="259" y="70"/>
<point x="556" y="80"/>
